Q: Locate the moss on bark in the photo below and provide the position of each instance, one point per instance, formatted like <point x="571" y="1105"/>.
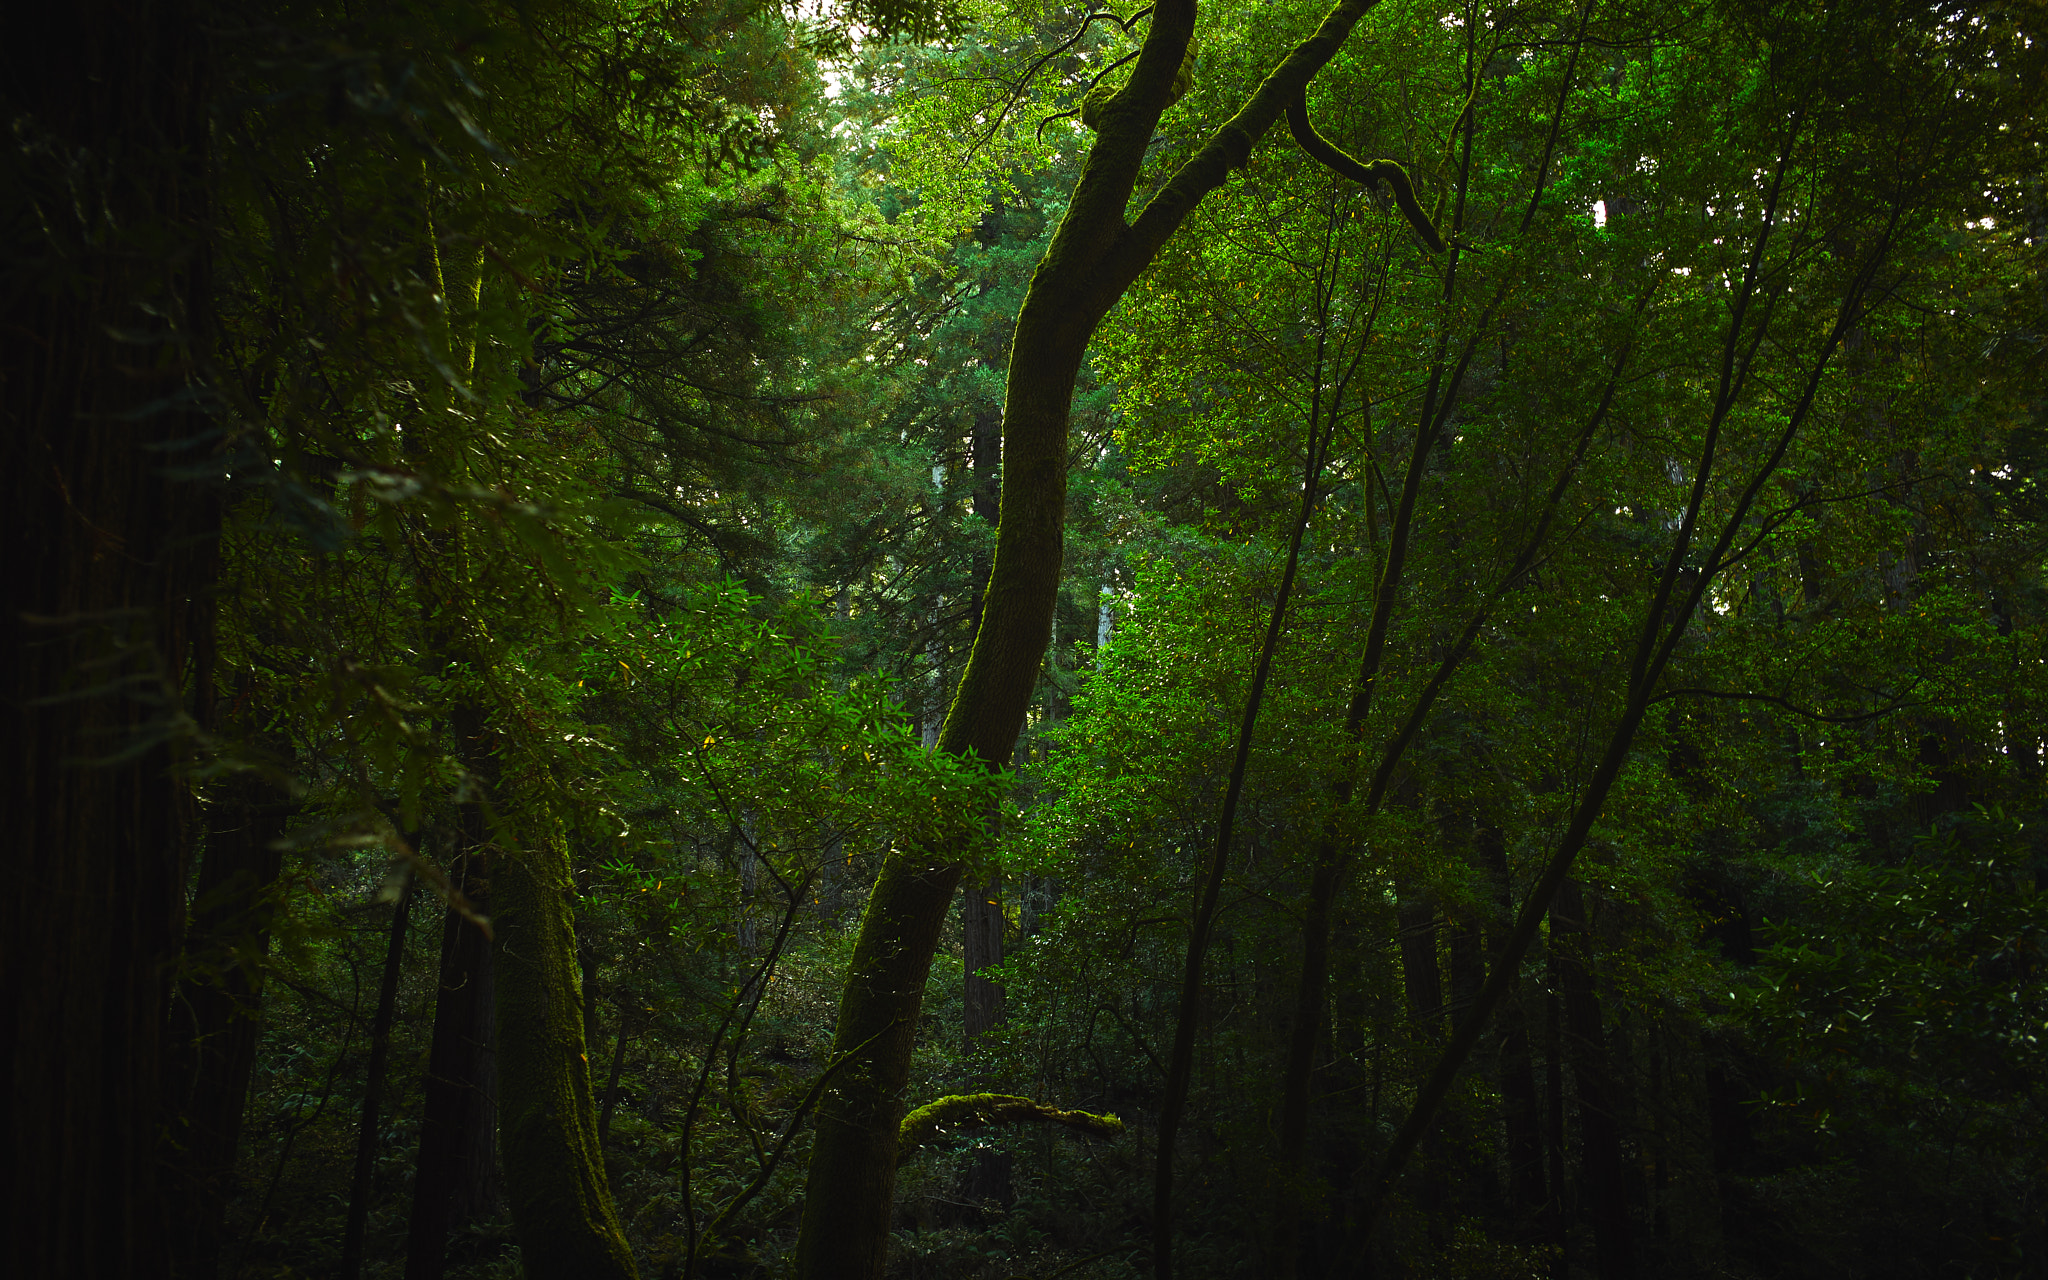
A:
<point x="941" y="1116"/>
<point x="1094" y="257"/>
<point x="554" y="1173"/>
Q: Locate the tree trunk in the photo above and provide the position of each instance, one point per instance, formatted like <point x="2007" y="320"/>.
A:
<point x="611" y="1087"/>
<point x="982" y="924"/>
<point x="1094" y="257"/>
<point x="103" y="616"/>
<point x="453" y="1182"/>
<point x="1420" y="975"/>
<point x="982" y="921"/>
<point x="1599" y="1116"/>
<point x="1520" y="1110"/>
<point x="1558" y="1209"/>
<point x="554" y="1172"/>
<point x="981" y="911"/>
<point x="219" y="1011"/>
<point x="373" y="1087"/>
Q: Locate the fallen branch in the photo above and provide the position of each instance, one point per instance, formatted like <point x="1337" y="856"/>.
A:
<point x="934" y="1120"/>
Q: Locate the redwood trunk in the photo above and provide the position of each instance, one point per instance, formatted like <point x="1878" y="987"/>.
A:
<point x="367" y="1123"/>
<point x="221" y="1012"/>
<point x="1520" y="1110"/>
<point x="554" y="1173"/>
<point x="454" y="1180"/>
<point x="1599" y="1118"/>
<point x="1420" y="974"/>
<point x="101" y="601"/>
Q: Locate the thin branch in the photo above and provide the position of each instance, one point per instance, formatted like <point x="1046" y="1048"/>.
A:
<point x="803" y="1111"/>
<point x="1024" y="81"/>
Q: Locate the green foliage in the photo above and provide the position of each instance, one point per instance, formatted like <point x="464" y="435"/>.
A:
<point x="1913" y="985"/>
<point x="608" y="396"/>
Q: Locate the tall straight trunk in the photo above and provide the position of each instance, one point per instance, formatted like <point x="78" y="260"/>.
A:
<point x="454" y="1179"/>
<point x="1468" y="965"/>
<point x="217" y="1015"/>
<point x="746" y="930"/>
<point x="1599" y="1101"/>
<point x="1558" y="1210"/>
<point x="983" y="924"/>
<point x="103" y="612"/>
<point x="1094" y="257"/>
<point x="1681" y="585"/>
<point x="611" y="1084"/>
<point x="554" y="1173"/>
<point x="1520" y="1110"/>
<point x="1420" y="975"/>
<point x="981" y="903"/>
<point x="981" y="911"/>
<point x="1180" y="1065"/>
<point x="367" y="1123"/>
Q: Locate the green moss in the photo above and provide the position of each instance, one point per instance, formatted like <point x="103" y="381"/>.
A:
<point x="554" y="1173"/>
<point x="937" y="1118"/>
<point x="1098" y="97"/>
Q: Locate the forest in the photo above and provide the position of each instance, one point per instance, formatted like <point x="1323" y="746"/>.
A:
<point x="699" y="639"/>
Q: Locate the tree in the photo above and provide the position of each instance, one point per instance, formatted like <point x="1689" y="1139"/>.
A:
<point x="107" y="644"/>
<point x="1094" y="257"/>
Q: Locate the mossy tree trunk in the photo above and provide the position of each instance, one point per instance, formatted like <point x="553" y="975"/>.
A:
<point x="547" y="1125"/>
<point x="1095" y="256"/>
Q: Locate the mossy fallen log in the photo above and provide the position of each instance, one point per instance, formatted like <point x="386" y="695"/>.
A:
<point x="938" y="1118"/>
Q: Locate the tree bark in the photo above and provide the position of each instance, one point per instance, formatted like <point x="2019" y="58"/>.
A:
<point x="453" y="1181"/>
<point x="1094" y="257"/>
<point x="981" y="911"/>
<point x="373" y="1086"/>
<point x="981" y="905"/>
<point x="1558" y="1209"/>
<point x="611" y="1087"/>
<point x="1599" y="1116"/>
<point x="554" y="1172"/>
<point x="1420" y="976"/>
<point x="1468" y="965"/>
<point x="219" y="1011"/>
<point x="982" y="921"/>
<point x="1520" y="1110"/>
<point x="103" y="612"/>
<point x="982" y="924"/>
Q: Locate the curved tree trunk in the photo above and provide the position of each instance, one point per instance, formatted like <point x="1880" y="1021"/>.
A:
<point x="1094" y="257"/>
